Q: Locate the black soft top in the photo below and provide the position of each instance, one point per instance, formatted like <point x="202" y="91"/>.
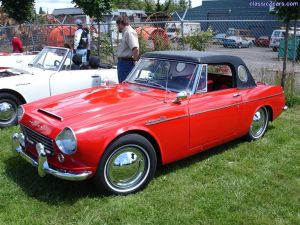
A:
<point x="206" y="58"/>
<point x="194" y="56"/>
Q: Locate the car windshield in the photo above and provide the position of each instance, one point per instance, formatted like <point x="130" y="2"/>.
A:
<point x="170" y="75"/>
<point x="49" y="58"/>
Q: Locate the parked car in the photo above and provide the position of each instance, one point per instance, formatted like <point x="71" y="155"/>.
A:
<point x="245" y="34"/>
<point x="50" y="73"/>
<point x="16" y="60"/>
<point x="218" y="39"/>
<point x="174" y="30"/>
<point x="173" y="104"/>
<point x="278" y="35"/>
<point x="236" y="42"/>
<point x="263" y="41"/>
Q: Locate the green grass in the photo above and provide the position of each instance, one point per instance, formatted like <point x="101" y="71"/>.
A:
<point x="237" y="183"/>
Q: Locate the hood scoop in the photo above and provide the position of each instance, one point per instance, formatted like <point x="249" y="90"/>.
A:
<point x="8" y="73"/>
<point x="45" y="112"/>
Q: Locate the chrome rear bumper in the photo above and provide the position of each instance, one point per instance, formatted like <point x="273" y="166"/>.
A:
<point x="18" y="140"/>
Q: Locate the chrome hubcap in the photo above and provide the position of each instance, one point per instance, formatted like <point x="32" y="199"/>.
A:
<point x="127" y="168"/>
<point x="259" y="123"/>
<point x="7" y="111"/>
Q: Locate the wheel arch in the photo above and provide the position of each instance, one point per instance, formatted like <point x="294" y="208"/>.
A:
<point x="270" y="111"/>
<point x="15" y="93"/>
<point x="146" y="135"/>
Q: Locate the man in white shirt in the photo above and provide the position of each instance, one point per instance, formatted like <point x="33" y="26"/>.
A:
<point x="81" y="41"/>
<point x="128" y="49"/>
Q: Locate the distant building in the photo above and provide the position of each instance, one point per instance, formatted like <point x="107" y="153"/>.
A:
<point x="69" y="15"/>
<point x="232" y="10"/>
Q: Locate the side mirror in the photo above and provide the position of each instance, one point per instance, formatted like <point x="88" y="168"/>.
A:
<point x="180" y="96"/>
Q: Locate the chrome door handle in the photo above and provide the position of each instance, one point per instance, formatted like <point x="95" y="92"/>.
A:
<point x="236" y="95"/>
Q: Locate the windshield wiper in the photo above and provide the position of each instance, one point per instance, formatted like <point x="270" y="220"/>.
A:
<point x="149" y="82"/>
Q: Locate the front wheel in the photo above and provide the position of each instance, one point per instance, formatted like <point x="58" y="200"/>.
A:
<point x="127" y="165"/>
<point x="8" y="110"/>
<point x="259" y="124"/>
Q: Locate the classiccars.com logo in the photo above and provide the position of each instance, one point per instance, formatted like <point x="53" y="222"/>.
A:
<point x="273" y="4"/>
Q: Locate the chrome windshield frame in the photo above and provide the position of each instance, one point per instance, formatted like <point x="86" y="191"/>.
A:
<point x="50" y="47"/>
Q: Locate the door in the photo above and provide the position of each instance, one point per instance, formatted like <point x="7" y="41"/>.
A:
<point x="67" y="80"/>
<point x="214" y="112"/>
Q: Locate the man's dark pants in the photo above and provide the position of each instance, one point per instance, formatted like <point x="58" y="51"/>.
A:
<point x="124" y="68"/>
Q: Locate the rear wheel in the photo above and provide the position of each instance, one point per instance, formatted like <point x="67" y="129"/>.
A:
<point x="127" y="165"/>
<point x="8" y="110"/>
<point x="259" y="124"/>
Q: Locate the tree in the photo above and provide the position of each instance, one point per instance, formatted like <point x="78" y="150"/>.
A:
<point x="158" y="6"/>
<point x="286" y="14"/>
<point x="20" y="10"/>
<point x="183" y="4"/>
<point x="94" y="8"/>
<point x="41" y="11"/>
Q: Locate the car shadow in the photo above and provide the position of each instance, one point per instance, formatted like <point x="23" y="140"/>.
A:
<point x="54" y="191"/>
<point x="169" y="168"/>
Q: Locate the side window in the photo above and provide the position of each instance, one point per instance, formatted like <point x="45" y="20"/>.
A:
<point x="220" y="77"/>
<point x="242" y="74"/>
<point x="202" y="84"/>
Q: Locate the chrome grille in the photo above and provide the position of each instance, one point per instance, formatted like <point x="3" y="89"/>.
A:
<point x="34" y="137"/>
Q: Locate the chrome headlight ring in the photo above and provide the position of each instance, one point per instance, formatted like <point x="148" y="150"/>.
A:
<point x="66" y="141"/>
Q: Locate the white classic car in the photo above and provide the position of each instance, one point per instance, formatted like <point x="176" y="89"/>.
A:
<point x="16" y="60"/>
<point x="51" y="72"/>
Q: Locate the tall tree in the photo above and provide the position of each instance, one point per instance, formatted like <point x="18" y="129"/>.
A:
<point x="158" y="6"/>
<point x="20" y="10"/>
<point x="286" y="13"/>
<point x="41" y="11"/>
<point x="94" y="8"/>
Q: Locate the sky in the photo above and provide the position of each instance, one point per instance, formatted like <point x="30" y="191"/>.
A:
<point x="49" y="5"/>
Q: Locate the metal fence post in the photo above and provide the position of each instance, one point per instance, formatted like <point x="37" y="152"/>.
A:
<point x="182" y="35"/>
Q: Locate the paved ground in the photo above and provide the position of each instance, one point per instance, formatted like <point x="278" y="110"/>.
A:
<point x="261" y="57"/>
<point x="262" y="62"/>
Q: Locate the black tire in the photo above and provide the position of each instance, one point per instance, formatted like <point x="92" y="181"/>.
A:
<point x="14" y="102"/>
<point x="142" y="155"/>
<point x="262" y="114"/>
<point x="275" y="49"/>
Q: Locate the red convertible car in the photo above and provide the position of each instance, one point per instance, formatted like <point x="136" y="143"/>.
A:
<point x="173" y="104"/>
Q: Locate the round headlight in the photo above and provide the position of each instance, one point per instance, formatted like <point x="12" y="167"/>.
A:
<point x="66" y="141"/>
<point x="20" y="113"/>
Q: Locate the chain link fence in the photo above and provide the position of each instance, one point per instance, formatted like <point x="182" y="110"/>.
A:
<point x="258" y="42"/>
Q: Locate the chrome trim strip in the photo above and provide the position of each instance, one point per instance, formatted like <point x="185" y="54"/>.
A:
<point x="164" y="119"/>
<point x="235" y="104"/>
<point x="214" y="109"/>
<point x="257" y="99"/>
<point x="50" y="114"/>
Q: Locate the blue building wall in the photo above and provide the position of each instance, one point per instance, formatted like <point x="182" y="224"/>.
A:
<point x="233" y="10"/>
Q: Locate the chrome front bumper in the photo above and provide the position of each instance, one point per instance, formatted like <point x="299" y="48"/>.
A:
<point x="18" y="140"/>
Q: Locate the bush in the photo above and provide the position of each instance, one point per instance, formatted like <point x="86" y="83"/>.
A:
<point x="199" y="40"/>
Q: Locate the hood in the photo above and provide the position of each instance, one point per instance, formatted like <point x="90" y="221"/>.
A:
<point x="100" y="104"/>
<point x="11" y="72"/>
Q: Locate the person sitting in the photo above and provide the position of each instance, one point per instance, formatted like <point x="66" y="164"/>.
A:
<point x="77" y="61"/>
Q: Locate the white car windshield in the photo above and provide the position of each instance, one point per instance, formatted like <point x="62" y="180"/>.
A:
<point x="164" y="74"/>
<point x="49" y="58"/>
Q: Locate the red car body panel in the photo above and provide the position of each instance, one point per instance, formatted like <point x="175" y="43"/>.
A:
<point x="100" y="115"/>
